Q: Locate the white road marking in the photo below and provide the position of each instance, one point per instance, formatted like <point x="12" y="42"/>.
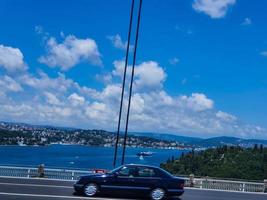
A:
<point x="52" y="196"/>
<point x="36" y="185"/>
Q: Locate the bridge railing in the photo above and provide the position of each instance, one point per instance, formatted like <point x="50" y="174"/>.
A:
<point x="62" y="174"/>
<point x="225" y="185"/>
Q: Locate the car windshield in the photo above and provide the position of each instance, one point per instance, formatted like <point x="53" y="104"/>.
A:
<point x="114" y="170"/>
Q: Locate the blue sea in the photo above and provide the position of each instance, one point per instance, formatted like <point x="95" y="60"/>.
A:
<point x="77" y="156"/>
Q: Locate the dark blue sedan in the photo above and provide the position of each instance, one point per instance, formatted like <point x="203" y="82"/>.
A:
<point x="134" y="179"/>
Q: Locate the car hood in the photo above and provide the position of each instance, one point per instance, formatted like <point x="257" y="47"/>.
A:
<point x="96" y="176"/>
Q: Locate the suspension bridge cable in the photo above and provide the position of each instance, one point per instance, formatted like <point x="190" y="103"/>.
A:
<point x="131" y="83"/>
<point x="123" y="84"/>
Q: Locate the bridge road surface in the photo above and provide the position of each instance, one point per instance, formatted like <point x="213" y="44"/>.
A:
<point x="41" y="189"/>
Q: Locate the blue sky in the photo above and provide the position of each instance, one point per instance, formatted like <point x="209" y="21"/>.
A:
<point x="201" y="70"/>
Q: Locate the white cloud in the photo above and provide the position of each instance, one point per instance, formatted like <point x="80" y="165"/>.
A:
<point x="119" y="68"/>
<point x="76" y="99"/>
<point x="148" y="75"/>
<point x="174" y="61"/>
<point x="111" y="91"/>
<point x="197" y="102"/>
<point x="247" y="21"/>
<point x="226" y="116"/>
<point x="11" y="59"/>
<point x="137" y="104"/>
<point x="51" y="98"/>
<point x="71" y="52"/>
<point x="99" y="111"/>
<point x="213" y="8"/>
<point x="44" y="82"/>
<point x="118" y="43"/>
<point x="9" y="84"/>
<point x="62" y="101"/>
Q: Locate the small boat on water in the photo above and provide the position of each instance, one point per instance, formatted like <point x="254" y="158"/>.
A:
<point x="144" y="154"/>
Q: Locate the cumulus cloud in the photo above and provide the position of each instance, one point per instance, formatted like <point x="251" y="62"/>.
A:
<point x="226" y="116"/>
<point x="44" y="82"/>
<point x="214" y="8"/>
<point x="197" y="102"/>
<point x="71" y="52"/>
<point x="9" y="84"/>
<point x="76" y="99"/>
<point x="12" y="59"/>
<point x="99" y="111"/>
<point x="62" y="101"/>
<point x="148" y="75"/>
<point x="52" y="99"/>
<point x="118" y="43"/>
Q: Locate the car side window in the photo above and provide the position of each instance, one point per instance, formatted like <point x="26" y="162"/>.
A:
<point x="127" y="172"/>
<point x="146" y="172"/>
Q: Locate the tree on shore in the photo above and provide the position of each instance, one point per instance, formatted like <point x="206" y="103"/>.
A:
<point x="223" y="162"/>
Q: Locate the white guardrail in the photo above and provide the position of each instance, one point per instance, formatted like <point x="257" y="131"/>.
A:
<point x="62" y="174"/>
<point x="215" y="184"/>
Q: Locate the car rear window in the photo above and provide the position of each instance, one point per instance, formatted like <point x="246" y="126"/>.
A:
<point x="146" y="172"/>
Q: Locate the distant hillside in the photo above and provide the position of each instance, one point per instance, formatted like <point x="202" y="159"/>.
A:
<point x="207" y="143"/>
<point x="170" y="137"/>
<point x="25" y="134"/>
<point x="230" y="141"/>
<point x="222" y="162"/>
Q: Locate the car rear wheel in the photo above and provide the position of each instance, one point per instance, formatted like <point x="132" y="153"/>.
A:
<point x="90" y="189"/>
<point x="157" y="194"/>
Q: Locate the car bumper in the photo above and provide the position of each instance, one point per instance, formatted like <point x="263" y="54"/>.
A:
<point x="175" y="192"/>
<point x="78" y="187"/>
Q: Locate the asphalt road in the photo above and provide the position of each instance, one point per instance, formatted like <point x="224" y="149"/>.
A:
<point x="36" y="189"/>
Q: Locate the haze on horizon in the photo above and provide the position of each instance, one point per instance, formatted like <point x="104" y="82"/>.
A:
<point x="201" y="65"/>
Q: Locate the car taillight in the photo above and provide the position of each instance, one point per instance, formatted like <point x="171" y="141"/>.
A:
<point x="182" y="186"/>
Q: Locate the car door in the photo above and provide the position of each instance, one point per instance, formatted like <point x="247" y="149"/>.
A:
<point x="122" y="181"/>
<point x="147" y="178"/>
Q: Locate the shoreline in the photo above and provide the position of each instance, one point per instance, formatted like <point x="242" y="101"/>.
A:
<point x="180" y="149"/>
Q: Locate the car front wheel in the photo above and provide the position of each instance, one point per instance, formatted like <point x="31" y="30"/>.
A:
<point x="157" y="194"/>
<point x="90" y="189"/>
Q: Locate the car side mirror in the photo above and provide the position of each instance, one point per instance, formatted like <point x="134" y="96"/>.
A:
<point x="116" y="174"/>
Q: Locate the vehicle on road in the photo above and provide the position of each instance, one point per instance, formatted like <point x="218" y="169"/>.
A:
<point x="133" y="179"/>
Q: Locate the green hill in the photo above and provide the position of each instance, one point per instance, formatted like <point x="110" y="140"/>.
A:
<point x="222" y="162"/>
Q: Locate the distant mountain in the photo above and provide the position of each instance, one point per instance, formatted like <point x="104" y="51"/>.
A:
<point x="170" y="137"/>
<point x="207" y="143"/>
<point x="230" y="141"/>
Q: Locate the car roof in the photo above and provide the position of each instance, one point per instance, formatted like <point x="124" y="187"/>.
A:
<point x="140" y="165"/>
